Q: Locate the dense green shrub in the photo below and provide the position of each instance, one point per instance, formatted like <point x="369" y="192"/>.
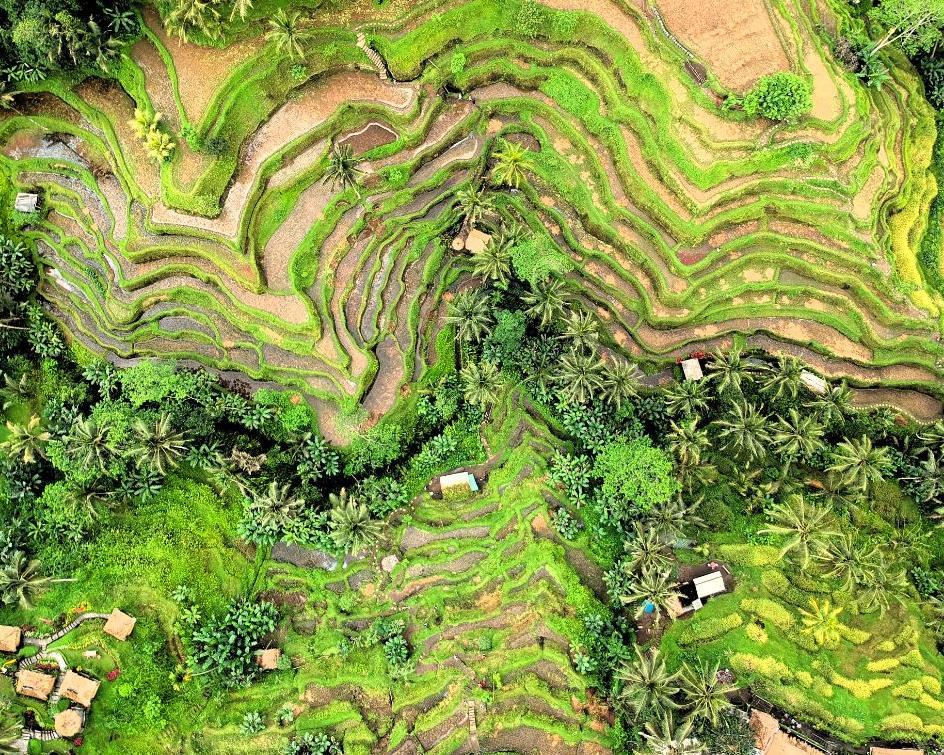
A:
<point x="637" y="473"/>
<point x="226" y="645"/>
<point x="769" y="611"/>
<point x="780" y="97"/>
<point x="748" y="555"/>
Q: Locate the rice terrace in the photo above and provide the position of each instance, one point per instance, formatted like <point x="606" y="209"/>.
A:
<point x="472" y="376"/>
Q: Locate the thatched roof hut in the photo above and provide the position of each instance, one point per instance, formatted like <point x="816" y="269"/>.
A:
<point x="119" y="625"/>
<point x="68" y="722"/>
<point x="10" y="639"/>
<point x="79" y="689"/>
<point x="34" y="684"/>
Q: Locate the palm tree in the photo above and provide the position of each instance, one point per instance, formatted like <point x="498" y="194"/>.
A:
<point x="241" y="8"/>
<point x="664" y="737"/>
<point x="744" y="430"/>
<point x="26" y="440"/>
<point x="511" y="162"/>
<point x="822" y="622"/>
<point x="729" y="370"/>
<point x="276" y="508"/>
<point x="352" y="529"/>
<point x="88" y="445"/>
<point x="647" y="687"/>
<point x="859" y="464"/>
<point x="286" y="31"/>
<point x="21" y="582"/>
<point x="885" y="584"/>
<point x="784" y="379"/>
<point x="14" y="391"/>
<point x="580" y="376"/>
<point x="481" y="384"/>
<point x="672" y="519"/>
<point x="582" y="330"/>
<point x="652" y="588"/>
<point x="342" y="169"/>
<point x="928" y="479"/>
<point x="187" y="15"/>
<point x="687" y="399"/>
<point x="493" y="263"/>
<point x="546" y="302"/>
<point x="705" y="695"/>
<point x="805" y="525"/>
<point x="645" y="550"/>
<point x="474" y="202"/>
<point x="796" y="437"/>
<point x="158" y="446"/>
<point x="687" y="441"/>
<point x="833" y="405"/>
<point x="619" y="382"/>
<point x="849" y="561"/>
<point x="471" y="313"/>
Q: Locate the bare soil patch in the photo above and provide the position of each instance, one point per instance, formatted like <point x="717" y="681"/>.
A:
<point x="369" y="137"/>
<point x="736" y="38"/>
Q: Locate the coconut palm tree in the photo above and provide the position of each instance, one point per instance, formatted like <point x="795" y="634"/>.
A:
<point x="342" y="170"/>
<point x="87" y="444"/>
<point x="546" y="302"/>
<point x="664" y="737"/>
<point x="687" y="441"/>
<point x="25" y="440"/>
<point x="860" y="464"/>
<point x="580" y="376"/>
<point x="927" y="479"/>
<point x="186" y="16"/>
<point x="471" y="313"/>
<point x="729" y="370"/>
<point x="481" y="384"/>
<point x="881" y="587"/>
<point x="21" y="582"/>
<point x="511" y="162"/>
<point x="15" y="391"/>
<point x="784" y="378"/>
<point x="696" y="475"/>
<point x="648" y="687"/>
<point x="687" y="399"/>
<point x="744" y="430"/>
<point x="805" y="525"/>
<point x="705" y="695"/>
<point x="352" y="529"/>
<point x="655" y="588"/>
<point x="822" y="622"/>
<point x="619" y="382"/>
<point x="849" y="560"/>
<point x="474" y="202"/>
<point x="582" y="330"/>
<point x="157" y="446"/>
<point x="241" y="8"/>
<point x="276" y="508"/>
<point x="673" y="518"/>
<point x="287" y="33"/>
<point x="493" y="262"/>
<point x="833" y="405"/>
<point x="796" y="437"/>
<point x="645" y="550"/>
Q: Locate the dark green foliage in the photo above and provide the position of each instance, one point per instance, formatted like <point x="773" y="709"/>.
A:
<point x="636" y="474"/>
<point x="225" y="646"/>
<point x="505" y="343"/>
<point x="312" y="744"/>
<point x="377" y="448"/>
<point x="779" y="97"/>
<point x="730" y="735"/>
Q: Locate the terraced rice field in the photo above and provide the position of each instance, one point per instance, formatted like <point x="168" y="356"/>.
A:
<point x="492" y="599"/>
<point x="686" y="227"/>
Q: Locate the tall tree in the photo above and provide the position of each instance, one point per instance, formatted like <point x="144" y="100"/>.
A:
<point x="687" y="399"/>
<point x="352" y="528"/>
<point x="849" y="560"/>
<point x="706" y="696"/>
<point x="511" y="162"/>
<point x="287" y="32"/>
<point x="471" y="313"/>
<point x="579" y="377"/>
<point x="342" y="169"/>
<point x="493" y="262"/>
<point x="796" y="437"/>
<point x="474" y="202"/>
<point x="25" y="440"/>
<point x="481" y="384"/>
<point x="582" y="329"/>
<point x="157" y="445"/>
<point x="653" y="588"/>
<point x="688" y="442"/>
<point x="645" y="550"/>
<point x="619" y="382"/>
<point x="783" y="380"/>
<point x="914" y="25"/>
<point x="666" y="737"/>
<point x="21" y="582"/>
<point x="546" y="302"/>
<point x="860" y="464"/>
<point x="648" y="687"/>
<point x="729" y="370"/>
<point x="805" y="525"/>
<point x="87" y="444"/>
<point x="744" y="430"/>
<point x="832" y="406"/>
